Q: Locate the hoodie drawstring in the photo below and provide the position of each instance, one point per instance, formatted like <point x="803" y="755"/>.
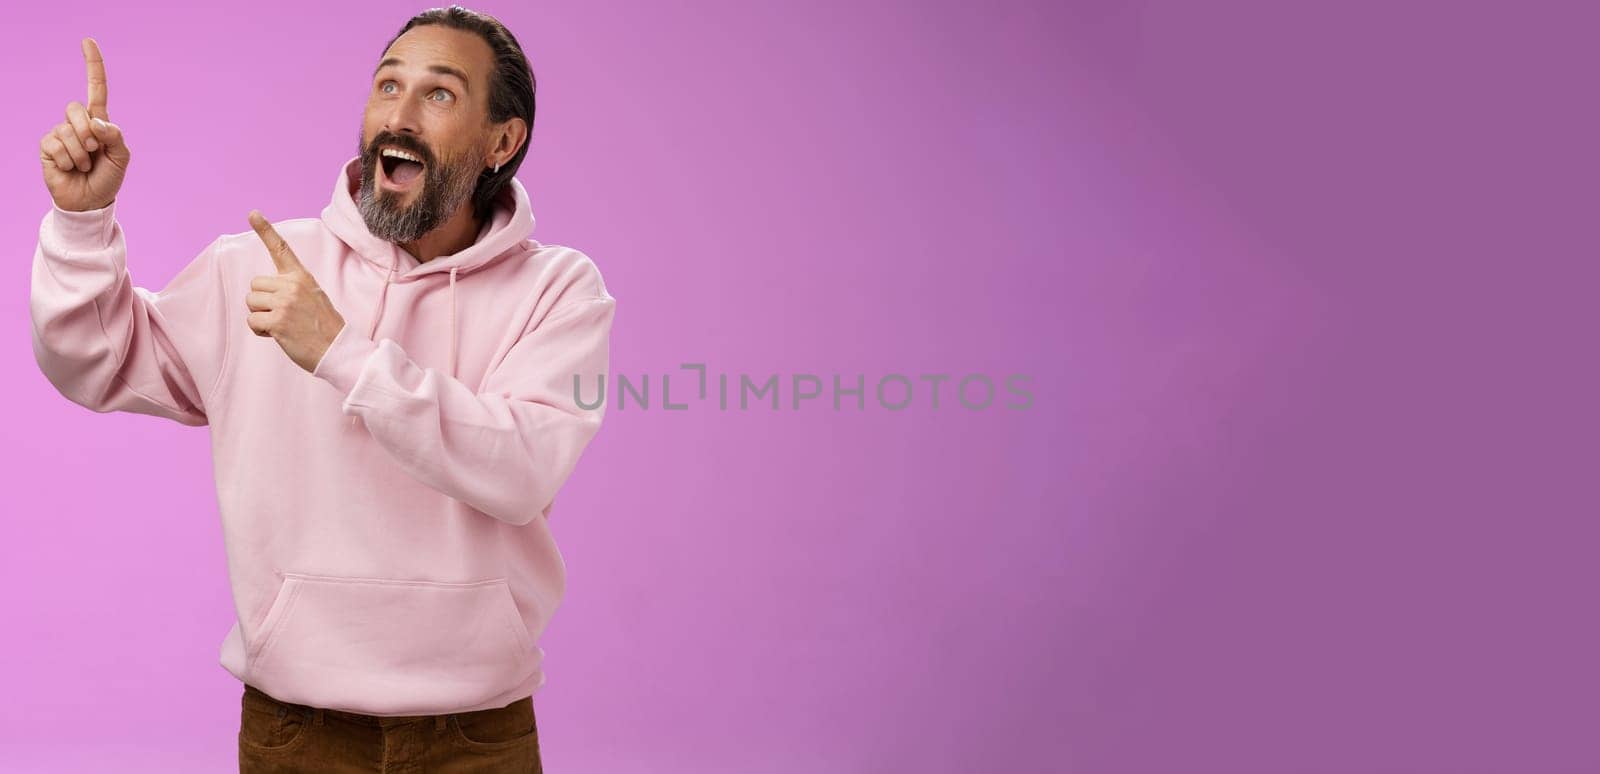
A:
<point x="377" y="313"/>
<point x="383" y="295"/>
<point x="453" y="320"/>
<point x="372" y="330"/>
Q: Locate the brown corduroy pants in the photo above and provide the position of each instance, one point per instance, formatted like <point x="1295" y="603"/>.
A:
<point x="277" y="737"/>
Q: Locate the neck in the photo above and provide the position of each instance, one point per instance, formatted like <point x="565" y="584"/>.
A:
<point x="454" y="235"/>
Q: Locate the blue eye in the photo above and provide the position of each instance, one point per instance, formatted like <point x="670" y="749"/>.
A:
<point x="438" y="95"/>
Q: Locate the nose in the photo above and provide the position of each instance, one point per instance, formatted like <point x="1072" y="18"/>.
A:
<point x="402" y="118"/>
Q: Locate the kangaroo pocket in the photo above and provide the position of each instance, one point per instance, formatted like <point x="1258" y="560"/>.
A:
<point x="393" y="647"/>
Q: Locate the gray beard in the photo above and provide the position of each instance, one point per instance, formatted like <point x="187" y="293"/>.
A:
<point x="445" y="187"/>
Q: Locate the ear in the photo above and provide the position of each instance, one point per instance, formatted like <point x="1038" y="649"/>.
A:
<point x="506" y="138"/>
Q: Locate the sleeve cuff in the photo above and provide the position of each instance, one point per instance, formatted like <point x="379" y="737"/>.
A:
<point x="341" y="365"/>
<point x="83" y="229"/>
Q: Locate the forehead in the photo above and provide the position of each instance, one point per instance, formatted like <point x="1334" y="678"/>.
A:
<point x="431" y="44"/>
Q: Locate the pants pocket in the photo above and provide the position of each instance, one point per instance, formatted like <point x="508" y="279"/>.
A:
<point x="496" y="729"/>
<point x="267" y="727"/>
<point x="384" y="646"/>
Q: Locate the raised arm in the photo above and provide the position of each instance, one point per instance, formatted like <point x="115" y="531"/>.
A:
<point x="103" y="342"/>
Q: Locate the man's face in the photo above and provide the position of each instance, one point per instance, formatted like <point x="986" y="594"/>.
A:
<point x="430" y="101"/>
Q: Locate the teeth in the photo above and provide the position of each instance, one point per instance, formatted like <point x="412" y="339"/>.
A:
<point x="399" y="154"/>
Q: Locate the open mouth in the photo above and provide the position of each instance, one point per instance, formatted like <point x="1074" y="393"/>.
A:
<point x="401" y="169"/>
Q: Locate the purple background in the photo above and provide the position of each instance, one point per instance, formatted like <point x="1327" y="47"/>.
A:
<point x="1306" y="294"/>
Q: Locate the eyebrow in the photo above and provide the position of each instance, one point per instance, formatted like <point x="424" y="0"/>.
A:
<point x="437" y="68"/>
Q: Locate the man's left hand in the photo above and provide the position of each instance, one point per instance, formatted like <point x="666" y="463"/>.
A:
<point x="289" y="306"/>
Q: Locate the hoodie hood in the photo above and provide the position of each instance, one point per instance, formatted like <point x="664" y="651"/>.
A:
<point x="505" y="232"/>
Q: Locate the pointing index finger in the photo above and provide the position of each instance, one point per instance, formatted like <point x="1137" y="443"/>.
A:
<point x="96" y="67"/>
<point x="282" y="257"/>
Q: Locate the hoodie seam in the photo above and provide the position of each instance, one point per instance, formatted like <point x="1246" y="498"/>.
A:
<point x="572" y="308"/>
<point x="123" y="362"/>
<point x="215" y="249"/>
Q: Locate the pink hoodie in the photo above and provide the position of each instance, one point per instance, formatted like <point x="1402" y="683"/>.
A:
<point x="400" y="561"/>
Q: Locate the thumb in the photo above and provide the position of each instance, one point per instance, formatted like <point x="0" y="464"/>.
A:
<point x="110" y="137"/>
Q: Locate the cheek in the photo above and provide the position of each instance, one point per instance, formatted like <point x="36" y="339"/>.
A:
<point x="371" y="123"/>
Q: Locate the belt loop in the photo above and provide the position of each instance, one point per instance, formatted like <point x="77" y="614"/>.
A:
<point x="438" y="722"/>
<point x="316" y="716"/>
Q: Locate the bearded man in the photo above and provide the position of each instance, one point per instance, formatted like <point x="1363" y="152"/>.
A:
<point x="391" y="393"/>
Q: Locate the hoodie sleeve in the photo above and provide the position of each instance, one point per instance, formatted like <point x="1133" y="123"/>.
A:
<point x="505" y="451"/>
<point x="109" y="345"/>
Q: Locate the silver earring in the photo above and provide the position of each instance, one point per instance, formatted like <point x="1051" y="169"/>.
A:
<point x="497" y="167"/>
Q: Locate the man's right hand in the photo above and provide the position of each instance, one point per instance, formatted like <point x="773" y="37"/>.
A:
<point x="84" y="156"/>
